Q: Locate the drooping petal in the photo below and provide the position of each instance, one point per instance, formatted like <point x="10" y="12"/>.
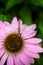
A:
<point x="32" y="54"/>
<point x="17" y="60"/>
<point x="2" y="52"/>
<point x="31" y="60"/>
<point x="33" y="48"/>
<point x="33" y="40"/>
<point x="10" y="60"/>
<point x="24" y="59"/>
<point x="4" y="58"/>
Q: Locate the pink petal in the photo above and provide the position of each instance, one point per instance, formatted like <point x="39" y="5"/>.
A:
<point x="1" y="38"/>
<point x="15" y="22"/>
<point x="6" y="23"/>
<point x="29" y="29"/>
<point x="10" y="60"/>
<point x="33" y="26"/>
<point x="31" y="54"/>
<point x="20" y="22"/>
<point x="17" y="60"/>
<point x="2" y="32"/>
<point x="27" y="35"/>
<point x="24" y="59"/>
<point x="1" y="63"/>
<point x="31" y="35"/>
<point x="3" y="29"/>
<point x="31" y="60"/>
<point x="33" y="48"/>
<point x="38" y="45"/>
<point x="1" y="43"/>
<point x="22" y="28"/>
<point x="33" y="40"/>
<point x="4" y="58"/>
<point x="1" y="24"/>
<point x="2" y="52"/>
<point x="14" y="29"/>
<point x="1" y="46"/>
<point x="8" y="30"/>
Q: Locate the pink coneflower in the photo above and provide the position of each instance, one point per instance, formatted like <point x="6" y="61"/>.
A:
<point x="17" y="43"/>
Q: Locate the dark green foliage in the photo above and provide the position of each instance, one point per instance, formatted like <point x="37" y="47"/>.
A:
<point x="37" y="2"/>
<point x="25" y="15"/>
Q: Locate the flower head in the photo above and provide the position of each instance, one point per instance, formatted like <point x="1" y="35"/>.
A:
<point x="17" y="43"/>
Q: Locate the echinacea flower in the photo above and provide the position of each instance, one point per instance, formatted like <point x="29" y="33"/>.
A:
<point x="18" y="46"/>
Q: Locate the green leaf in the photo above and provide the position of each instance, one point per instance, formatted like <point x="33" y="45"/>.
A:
<point x="41" y="15"/>
<point x="12" y="3"/>
<point x="1" y="10"/>
<point x="41" y="26"/>
<point x="37" y="2"/>
<point x="4" y="18"/>
<point x="25" y="15"/>
<point x="40" y="21"/>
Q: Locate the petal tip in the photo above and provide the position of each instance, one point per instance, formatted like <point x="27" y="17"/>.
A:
<point x="40" y="40"/>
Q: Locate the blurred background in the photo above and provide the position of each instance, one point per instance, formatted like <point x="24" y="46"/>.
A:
<point x="29" y="11"/>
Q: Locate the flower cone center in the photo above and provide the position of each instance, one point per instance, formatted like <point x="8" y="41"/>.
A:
<point x="13" y="43"/>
